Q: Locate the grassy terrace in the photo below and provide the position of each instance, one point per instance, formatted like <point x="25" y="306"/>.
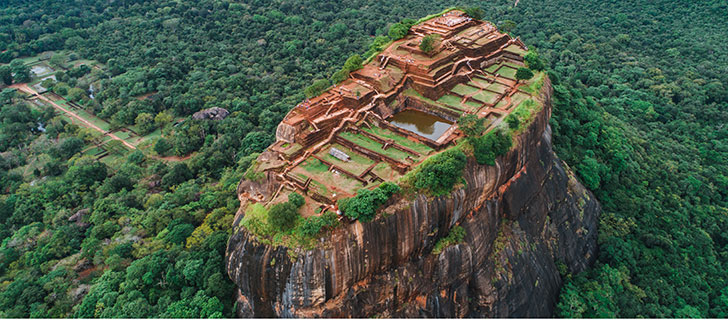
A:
<point x="319" y="188"/>
<point x="515" y="49"/>
<point x="534" y="84"/>
<point x="498" y="87"/>
<point x="508" y="72"/>
<point x="292" y="148"/>
<point x="123" y="135"/>
<point x="398" y="139"/>
<point x="479" y="82"/>
<point x="464" y="90"/>
<point x="454" y="101"/>
<point x="319" y="172"/>
<point x="314" y="166"/>
<point x="472" y="106"/>
<point x="357" y="165"/>
<point x="512" y="65"/>
<point x="492" y="68"/>
<point x="370" y="144"/>
<point x="413" y="93"/>
<point x="91" y="118"/>
<point x="501" y="104"/>
<point x="518" y="98"/>
<point x="385" y="171"/>
<point x="450" y="100"/>
<point x="486" y="96"/>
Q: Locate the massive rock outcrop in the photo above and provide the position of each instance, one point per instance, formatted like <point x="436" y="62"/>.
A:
<point x="527" y="219"/>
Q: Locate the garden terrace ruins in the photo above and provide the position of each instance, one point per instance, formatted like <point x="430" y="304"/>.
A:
<point x="390" y="115"/>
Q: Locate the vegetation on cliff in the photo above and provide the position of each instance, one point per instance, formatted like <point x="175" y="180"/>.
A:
<point x="438" y="174"/>
<point x="364" y="205"/>
<point x="455" y="236"/>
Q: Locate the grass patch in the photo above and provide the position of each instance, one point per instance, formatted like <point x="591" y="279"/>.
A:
<point x="313" y="165"/>
<point x="370" y="144"/>
<point x="450" y="100"/>
<point x="398" y="139"/>
<point x="479" y="82"/>
<point x="93" y="119"/>
<point x="515" y="49"/>
<point x="473" y="106"/>
<point x="534" y="84"/>
<point x="438" y="174"/>
<point x="485" y="96"/>
<point x="501" y="104"/>
<point x="112" y="159"/>
<point x="319" y="188"/>
<point x="319" y="173"/>
<point x="524" y="113"/>
<point x="301" y="235"/>
<point x="518" y="97"/>
<point x="464" y="90"/>
<point x="94" y="151"/>
<point x="253" y="174"/>
<point x="122" y="134"/>
<point x="492" y="68"/>
<point x="413" y="93"/>
<point x="507" y="72"/>
<point x="512" y="65"/>
<point x="357" y="165"/>
<point x="498" y="87"/>
<point x="385" y="171"/>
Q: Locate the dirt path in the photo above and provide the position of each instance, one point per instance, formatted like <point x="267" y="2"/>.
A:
<point x="173" y="158"/>
<point x="24" y="87"/>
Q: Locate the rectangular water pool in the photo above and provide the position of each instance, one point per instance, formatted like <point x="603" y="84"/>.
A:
<point x="425" y="124"/>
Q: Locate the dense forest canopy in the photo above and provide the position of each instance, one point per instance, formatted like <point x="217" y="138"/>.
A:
<point x="640" y="106"/>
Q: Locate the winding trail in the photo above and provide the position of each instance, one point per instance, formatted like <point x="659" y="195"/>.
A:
<point x="24" y="87"/>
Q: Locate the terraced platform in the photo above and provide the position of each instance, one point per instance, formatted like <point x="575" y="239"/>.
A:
<point x="351" y="137"/>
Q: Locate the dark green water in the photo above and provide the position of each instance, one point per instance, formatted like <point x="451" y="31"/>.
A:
<point x="424" y="124"/>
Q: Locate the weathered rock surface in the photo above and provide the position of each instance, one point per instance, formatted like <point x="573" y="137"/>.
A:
<point x="525" y="218"/>
<point x="214" y="113"/>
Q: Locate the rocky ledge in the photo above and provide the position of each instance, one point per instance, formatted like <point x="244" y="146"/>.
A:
<point x="527" y="220"/>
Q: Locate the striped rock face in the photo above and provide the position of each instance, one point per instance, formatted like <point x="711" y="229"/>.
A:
<point x="525" y="219"/>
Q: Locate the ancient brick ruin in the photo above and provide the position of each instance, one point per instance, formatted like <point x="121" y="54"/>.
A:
<point x="345" y="139"/>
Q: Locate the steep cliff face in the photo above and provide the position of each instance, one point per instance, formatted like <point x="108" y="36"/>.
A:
<point x="526" y="218"/>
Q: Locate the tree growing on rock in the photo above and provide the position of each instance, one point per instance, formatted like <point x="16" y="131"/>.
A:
<point x="428" y="43"/>
<point x="353" y="63"/>
<point x="283" y="216"/>
<point x="534" y="62"/>
<point x="474" y="12"/>
<point x="471" y="125"/>
<point x="398" y="31"/>
<point x="523" y="74"/>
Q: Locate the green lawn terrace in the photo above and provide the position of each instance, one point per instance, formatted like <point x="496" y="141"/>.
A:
<point x="352" y="136"/>
<point x="375" y="154"/>
<point x="324" y="182"/>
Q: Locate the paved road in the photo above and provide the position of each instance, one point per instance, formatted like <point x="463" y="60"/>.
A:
<point x="24" y="87"/>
